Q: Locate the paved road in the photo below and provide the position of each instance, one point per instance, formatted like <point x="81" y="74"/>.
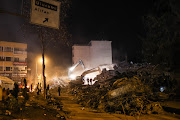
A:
<point x="77" y="112"/>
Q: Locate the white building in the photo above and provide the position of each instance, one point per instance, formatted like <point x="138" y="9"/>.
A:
<point x="94" y="54"/>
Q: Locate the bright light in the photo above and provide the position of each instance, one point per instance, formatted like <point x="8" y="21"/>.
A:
<point x="162" y="89"/>
<point x="40" y="60"/>
<point x="72" y="77"/>
<point x="71" y="69"/>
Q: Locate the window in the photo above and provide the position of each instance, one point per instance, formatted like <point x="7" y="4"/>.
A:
<point x="7" y="49"/>
<point x="1" y="48"/>
<point x="16" y="68"/>
<point x="1" y="68"/>
<point x="8" y="68"/>
<point x="16" y="59"/>
<point x="1" y="58"/>
<point x="8" y="58"/>
<point x="20" y="51"/>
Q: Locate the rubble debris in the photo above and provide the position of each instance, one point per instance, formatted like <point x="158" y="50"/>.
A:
<point x="135" y="91"/>
<point x="8" y="112"/>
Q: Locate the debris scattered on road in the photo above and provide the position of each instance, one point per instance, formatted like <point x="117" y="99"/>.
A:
<point x="131" y="89"/>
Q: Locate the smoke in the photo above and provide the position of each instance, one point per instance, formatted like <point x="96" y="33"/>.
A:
<point x="57" y="75"/>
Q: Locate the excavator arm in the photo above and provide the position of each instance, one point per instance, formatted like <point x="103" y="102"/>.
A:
<point x="71" y="69"/>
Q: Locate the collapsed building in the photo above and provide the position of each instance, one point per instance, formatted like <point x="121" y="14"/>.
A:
<point x="89" y="60"/>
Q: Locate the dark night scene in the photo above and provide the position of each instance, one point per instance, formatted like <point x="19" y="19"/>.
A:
<point x="89" y="60"/>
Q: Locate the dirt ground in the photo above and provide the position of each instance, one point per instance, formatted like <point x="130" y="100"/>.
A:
<point x="35" y="109"/>
<point x="38" y="109"/>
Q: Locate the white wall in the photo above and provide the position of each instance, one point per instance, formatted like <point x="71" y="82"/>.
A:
<point x="81" y="53"/>
<point x="95" y="54"/>
<point x="100" y="53"/>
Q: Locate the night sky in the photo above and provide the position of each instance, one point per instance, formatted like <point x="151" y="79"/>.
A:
<point x="119" y="22"/>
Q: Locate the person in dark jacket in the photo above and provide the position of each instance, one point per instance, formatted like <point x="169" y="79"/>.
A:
<point x="16" y="90"/>
<point x="59" y="90"/>
<point x="47" y="90"/>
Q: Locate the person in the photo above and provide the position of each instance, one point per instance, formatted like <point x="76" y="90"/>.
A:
<point x="8" y="92"/>
<point x="16" y="90"/>
<point x="48" y="88"/>
<point x="38" y="89"/>
<point x="31" y="87"/>
<point x="90" y="81"/>
<point x="1" y="92"/>
<point x="25" y="83"/>
<point x="59" y="90"/>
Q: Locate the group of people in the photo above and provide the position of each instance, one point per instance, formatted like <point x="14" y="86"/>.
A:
<point x="38" y="89"/>
<point x="6" y="93"/>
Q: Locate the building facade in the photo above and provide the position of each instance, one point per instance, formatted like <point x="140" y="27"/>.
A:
<point x="13" y="60"/>
<point x="94" y="54"/>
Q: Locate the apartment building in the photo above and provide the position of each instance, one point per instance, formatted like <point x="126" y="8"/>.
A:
<point x="92" y="55"/>
<point x="13" y="60"/>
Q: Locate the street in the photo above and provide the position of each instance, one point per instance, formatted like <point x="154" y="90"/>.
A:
<point x="66" y="107"/>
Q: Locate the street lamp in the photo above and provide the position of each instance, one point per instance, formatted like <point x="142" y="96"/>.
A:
<point x="42" y="60"/>
<point x="38" y="76"/>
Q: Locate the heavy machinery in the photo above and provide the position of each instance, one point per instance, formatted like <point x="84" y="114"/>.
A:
<point x="87" y="75"/>
<point x="71" y="69"/>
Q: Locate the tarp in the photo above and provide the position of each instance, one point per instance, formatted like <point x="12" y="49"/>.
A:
<point x="6" y="82"/>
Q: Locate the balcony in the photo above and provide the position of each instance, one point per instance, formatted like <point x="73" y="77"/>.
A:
<point x="20" y="52"/>
<point x="20" y="63"/>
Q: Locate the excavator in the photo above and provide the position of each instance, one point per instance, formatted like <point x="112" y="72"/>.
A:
<point x="88" y="75"/>
<point x="71" y="69"/>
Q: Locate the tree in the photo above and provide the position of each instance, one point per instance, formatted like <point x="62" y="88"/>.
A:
<point x="162" y="32"/>
<point x="49" y="35"/>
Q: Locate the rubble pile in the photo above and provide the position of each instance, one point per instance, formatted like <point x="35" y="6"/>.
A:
<point x="132" y="92"/>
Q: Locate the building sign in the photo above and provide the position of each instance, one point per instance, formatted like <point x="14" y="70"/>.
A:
<point x="45" y="13"/>
<point x="6" y="74"/>
<point x="20" y="63"/>
<point x="19" y="75"/>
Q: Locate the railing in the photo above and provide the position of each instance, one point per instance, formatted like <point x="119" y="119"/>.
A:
<point x="20" y="52"/>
